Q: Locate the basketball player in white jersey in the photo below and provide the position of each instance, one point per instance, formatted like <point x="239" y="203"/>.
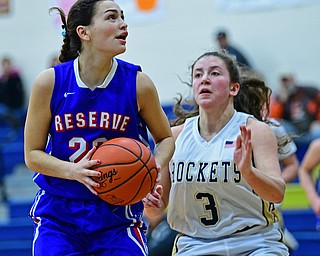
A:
<point x="224" y="178"/>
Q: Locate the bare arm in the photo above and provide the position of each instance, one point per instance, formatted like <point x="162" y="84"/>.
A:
<point x="36" y="131"/>
<point x="165" y="174"/>
<point x="152" y="113"/>
<point x="310" y="160"/>
<point x="290" y="168"/>
<point x="155" y="206"/>
<point x="259" y="142"/>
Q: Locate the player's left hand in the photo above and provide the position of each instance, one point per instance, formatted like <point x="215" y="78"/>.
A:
<point x="243" y="151"/>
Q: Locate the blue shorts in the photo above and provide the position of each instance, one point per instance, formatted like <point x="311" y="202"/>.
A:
<point x="85" y="227"/>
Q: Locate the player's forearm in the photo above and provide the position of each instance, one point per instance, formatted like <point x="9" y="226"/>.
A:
<point x="270" y="188"/>
<point x="163" y="151"/>
<point x="307" y="184"/>
<point x="289" y="173"/>
<point x="41" y="162"/>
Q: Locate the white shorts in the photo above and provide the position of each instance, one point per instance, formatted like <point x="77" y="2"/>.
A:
<point x="267" y="242"/>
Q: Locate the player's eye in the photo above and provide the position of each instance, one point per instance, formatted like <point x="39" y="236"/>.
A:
<point x="111" y="17"/>
<point x="197" y="75"/>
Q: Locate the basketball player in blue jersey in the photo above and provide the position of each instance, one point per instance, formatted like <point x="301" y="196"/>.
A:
<point x="89" y="98"/>
<point x="224" y="178"/>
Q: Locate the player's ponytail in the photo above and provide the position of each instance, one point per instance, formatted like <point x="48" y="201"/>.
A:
<point x="254" y="96"/>
<point x="70" y="47"/>
<point x="80" y="14"/>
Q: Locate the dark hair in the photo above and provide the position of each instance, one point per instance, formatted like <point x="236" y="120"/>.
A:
<point x="81" y="13"/>
<point x="191" y="108"/>
<point x="254" y="96"/>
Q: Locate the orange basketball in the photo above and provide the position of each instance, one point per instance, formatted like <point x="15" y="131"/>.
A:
<point x="128" y="171"/>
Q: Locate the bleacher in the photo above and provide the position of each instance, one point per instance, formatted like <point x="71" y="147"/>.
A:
<point x="16" y="237"/>
<point x="16" y="228"/>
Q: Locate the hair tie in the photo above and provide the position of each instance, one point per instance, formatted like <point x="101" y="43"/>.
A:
<point x="64" y="31"/>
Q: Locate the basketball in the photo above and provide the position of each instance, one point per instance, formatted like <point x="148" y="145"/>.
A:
<point x="128" y="171"/>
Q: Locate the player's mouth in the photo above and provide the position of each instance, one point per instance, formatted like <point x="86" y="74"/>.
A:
<point x="123" y="36"/>
<point x="204" y="90"/>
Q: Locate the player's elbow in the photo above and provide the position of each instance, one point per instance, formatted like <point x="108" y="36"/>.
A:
<point x="30" y="160"/>
<point x="278" y="194"/>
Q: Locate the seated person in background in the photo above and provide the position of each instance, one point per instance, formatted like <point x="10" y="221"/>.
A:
<point x="12" y="96"/>
<point x="299" y="109"/>
<point x="308" y="166"/>
<point x="223" y="42"/>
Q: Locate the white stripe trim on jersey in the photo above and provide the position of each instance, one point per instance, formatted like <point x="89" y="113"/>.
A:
<point x="35" y="177"/>
<point x="106" y="80"/>
<point x="36" y="234"/>
<point x="129" y="215"/>
<point x="36" y="201"/>
<point x="34" y="206"/>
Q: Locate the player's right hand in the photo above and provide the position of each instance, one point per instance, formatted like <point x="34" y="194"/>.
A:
<point x="84" y="173"/>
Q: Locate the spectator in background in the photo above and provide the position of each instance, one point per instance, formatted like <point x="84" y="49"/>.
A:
<point x="223" y="42"/>
<point x="12" y="96"/>
<point x="299" y="108"/>
<point x="12" y="111"/>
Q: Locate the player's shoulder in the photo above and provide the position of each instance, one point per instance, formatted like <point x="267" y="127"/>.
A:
<point x="176" y="130"/>
<point x="45" y="79"/>
<point x="145" y="86"/>
<point x="258" y="126"/>
<point x="127" y="65"/>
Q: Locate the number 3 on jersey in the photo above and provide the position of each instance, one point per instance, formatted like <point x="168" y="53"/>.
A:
<point x="209" y="206"/>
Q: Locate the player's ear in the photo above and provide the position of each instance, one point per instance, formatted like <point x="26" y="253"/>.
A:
<point x="234" y="88"/>
<point x="83" y="33"/>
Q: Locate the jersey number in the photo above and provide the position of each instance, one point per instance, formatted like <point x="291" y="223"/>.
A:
<point x="210" y="207"/>
<point x="81" y="146"/>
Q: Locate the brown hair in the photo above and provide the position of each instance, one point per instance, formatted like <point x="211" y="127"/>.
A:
<point x="81" y="13"/>
<point x="184" y="109"/>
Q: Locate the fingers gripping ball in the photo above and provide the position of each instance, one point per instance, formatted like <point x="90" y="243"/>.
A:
<point x="128" y="171"/>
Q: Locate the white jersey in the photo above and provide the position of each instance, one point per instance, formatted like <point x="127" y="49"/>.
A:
<point x="209" y="198"/>
<point x="286" y="148"/>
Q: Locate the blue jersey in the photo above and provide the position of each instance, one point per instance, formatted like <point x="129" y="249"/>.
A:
<point x="83" y="118"/>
